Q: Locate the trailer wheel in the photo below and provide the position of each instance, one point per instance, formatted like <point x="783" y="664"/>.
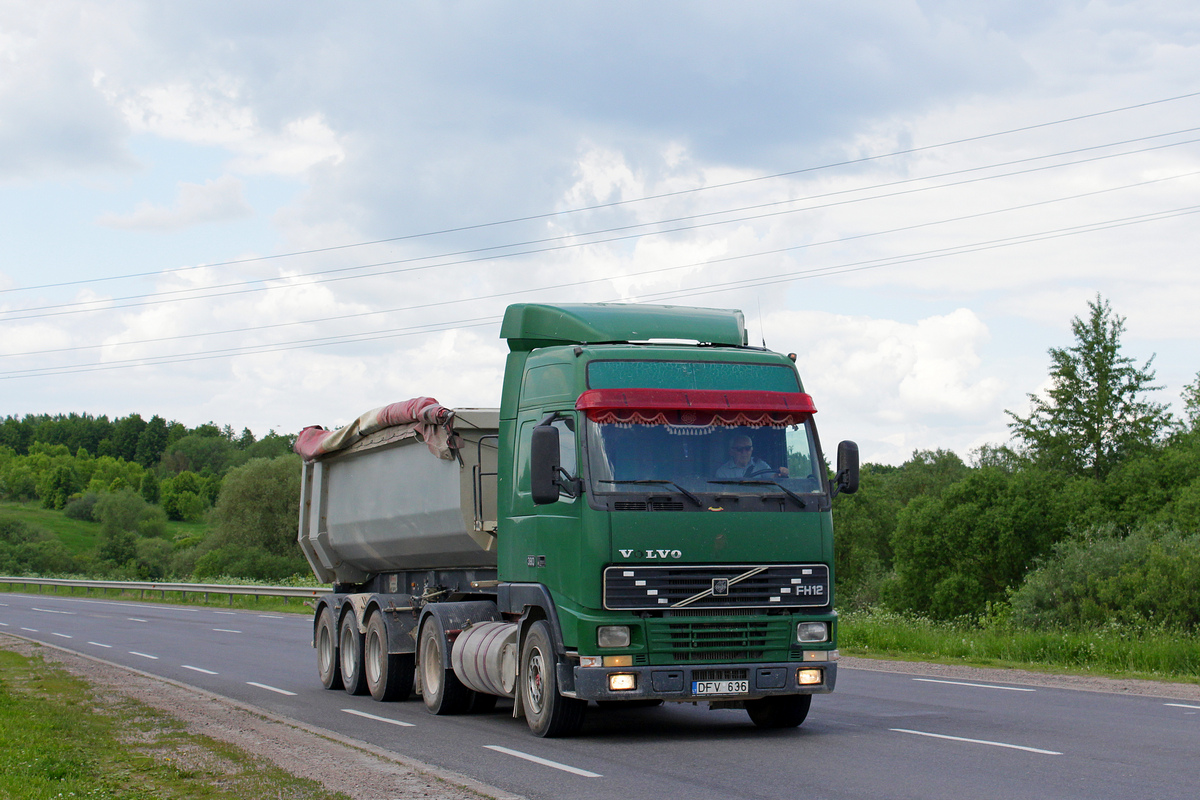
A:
<point x="327" y="651"/>
<point x="350" y="650"/>
<point x="441" y="689"/>
<point x="547" y="712"/>
<point x="389" y="675"/>
<point x="783" y="711"/>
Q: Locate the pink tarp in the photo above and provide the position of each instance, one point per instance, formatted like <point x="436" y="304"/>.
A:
<point x="430" y="420"/>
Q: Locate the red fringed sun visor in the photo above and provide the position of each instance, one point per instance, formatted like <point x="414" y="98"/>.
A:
<point x="695" y="407"/>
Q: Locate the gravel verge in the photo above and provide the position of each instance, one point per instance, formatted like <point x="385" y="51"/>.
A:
<point x="339" y="763"/>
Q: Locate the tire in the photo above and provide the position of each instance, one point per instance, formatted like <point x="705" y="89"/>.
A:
<point x="441" y="689"/>
<point x="327" y="651"/>
<point x="389" y="675"/>
<point x="547" y="712"/>
<point x="350" y="651"/>
<point x="783" y="711"/>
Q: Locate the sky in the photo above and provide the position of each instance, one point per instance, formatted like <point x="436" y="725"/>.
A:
<point x="278" y="214"/>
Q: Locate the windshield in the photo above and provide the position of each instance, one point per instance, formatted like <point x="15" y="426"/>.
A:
<point x="712" y="459"/>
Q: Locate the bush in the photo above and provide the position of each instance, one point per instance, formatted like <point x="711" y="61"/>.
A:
<point x="253" y="562"/>
<point x="1149" y="579"/>
<point x="82" y="508"/>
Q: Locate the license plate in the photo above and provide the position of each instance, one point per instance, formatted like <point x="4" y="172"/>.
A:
<point x="720" y="687"/>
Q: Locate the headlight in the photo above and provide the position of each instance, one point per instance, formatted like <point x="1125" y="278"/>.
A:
<point x="612" y="636"/>
<point x="622" y="682"/>
<point x="812" y="632"/>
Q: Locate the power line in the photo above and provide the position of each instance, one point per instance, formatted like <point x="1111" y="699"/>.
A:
<point x="338" y="274"/>
<point x="708" y="289"/>
<point x="615" y="203"/>
<point x="643" y="273"/>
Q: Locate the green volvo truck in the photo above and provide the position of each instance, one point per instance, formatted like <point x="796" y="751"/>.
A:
<point x="645" y="519"/>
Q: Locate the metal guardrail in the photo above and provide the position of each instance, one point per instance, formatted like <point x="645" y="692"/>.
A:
<point x="185" y="588"/>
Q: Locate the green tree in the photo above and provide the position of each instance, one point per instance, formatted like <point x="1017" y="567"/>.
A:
<point x="259" y="505"/>
<point x="1191" y="404"/>
<point x="1095" y="412"/>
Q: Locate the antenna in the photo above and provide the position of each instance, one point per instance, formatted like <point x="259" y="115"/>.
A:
<point x="762" y="334"/>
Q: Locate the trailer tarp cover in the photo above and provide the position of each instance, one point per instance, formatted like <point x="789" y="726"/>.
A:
<point x="426" y="416"/>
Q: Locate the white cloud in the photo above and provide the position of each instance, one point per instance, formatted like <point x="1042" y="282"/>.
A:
<point x="214" y="112"/>
<point x="217" y="200"/>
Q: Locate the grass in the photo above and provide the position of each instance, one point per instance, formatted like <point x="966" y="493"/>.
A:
<point x="78" y="536"/>
<point x="82" y="536"/>
<point x="60" y="739"/>
<point x="1111" y="651"/>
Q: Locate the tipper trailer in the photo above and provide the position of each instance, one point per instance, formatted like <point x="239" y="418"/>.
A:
<point x="645" y="518"/>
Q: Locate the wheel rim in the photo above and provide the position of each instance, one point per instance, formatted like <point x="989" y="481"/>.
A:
<point x="325" y="650"/>
<point x="375" y="657"/>
<point x="349" y="662"/>
<point x="535" y="681"/>
<point x="431" y="666"/>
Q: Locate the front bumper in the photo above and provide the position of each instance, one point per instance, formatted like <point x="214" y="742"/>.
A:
<point x="675" y="682"/>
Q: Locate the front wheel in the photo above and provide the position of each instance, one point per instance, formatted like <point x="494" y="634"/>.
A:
<point x="389" y="675"/>
<point x="547" y="712"/>
<point x="783" y="711"/>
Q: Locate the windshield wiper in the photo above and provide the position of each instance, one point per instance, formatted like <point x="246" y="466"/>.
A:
<point x="682" y="490"/>
<point x="786" y="490"/>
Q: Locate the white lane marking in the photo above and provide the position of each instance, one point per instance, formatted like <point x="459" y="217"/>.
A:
<point x="544" y="761"/>
<point x="978" y="741"/>
<point x="199" y="669"/>
<point x="63" y="635"/>
<point x="271" y="688"/>
<point x="977" y="685"/>
<point x="379" y="719"/>
<point x="31" y="630"/>
<point x="51" y="611"/>
<point x="227" y="613"/>
<point x="109" y="646"/>
<point x="5" y="624"/>
<point x="1181" y="705"/>
<point x="135" y="619"/>
<point x="225" y="630"/>
<point x="143" y="655"/>
<point x="270" y="616"/>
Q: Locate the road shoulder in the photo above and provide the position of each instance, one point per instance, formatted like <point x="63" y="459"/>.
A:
<point x="341" y="764"/>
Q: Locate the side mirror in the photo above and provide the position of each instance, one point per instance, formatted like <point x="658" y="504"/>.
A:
<point x="543" y="465"/>
<point x="847" y="469"/>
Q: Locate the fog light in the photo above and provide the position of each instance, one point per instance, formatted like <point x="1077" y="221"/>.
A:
<point x="808" y="677"/>
<point x="812" y="632"/>
<point x="612" y="636"/>
<point x="622" y="682"/>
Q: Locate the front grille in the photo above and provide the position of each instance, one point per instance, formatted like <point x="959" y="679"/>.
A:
<point x="652" y="505"/>
<point x="691" y="642"/>
<point x="645" y="588"/>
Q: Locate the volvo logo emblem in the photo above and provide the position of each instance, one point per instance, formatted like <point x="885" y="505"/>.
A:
<point x="720" y="587"/>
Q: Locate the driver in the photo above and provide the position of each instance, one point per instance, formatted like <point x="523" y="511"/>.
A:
<point x="743" y="464"/>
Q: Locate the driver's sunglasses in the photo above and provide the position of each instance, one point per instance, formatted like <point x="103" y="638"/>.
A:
<point x="742" y="448"/>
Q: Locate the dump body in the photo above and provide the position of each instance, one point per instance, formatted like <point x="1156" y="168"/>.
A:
<point x="386" y="504"/>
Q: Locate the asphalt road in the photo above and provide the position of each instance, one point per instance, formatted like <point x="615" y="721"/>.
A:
<point x="880" y="735"/>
